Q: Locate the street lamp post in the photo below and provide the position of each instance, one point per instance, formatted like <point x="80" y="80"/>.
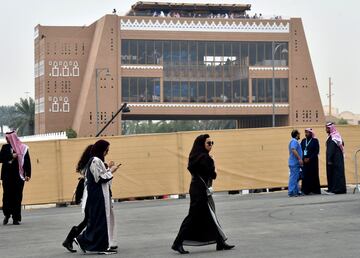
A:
<point x="97" y="72"/>
<point x="274" y="49"/>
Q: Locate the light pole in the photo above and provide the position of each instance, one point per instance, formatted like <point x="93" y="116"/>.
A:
<point x="274" y="49"/>
<point x="97" y="72"/>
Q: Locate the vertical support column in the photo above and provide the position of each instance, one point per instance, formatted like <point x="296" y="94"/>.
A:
<point x="162" y="88"/>
<point x="330" y="96"/>
<point x="250" y="89"/>
<point x="179" y="150"/>
<point x="60" y="184"/>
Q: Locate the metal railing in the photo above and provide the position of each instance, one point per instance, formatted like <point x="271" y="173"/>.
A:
<point x="357" y="187"/>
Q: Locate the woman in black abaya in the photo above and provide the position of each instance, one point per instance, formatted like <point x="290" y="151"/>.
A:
<point x="99" y="235"/>
<point x="201" y="227"/>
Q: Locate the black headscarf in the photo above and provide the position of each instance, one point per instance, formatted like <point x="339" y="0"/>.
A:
<point x="198" y="151"/>
<point x="99" y="148"/>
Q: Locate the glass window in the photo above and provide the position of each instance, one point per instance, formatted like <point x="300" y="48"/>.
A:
<point x="268" y="53"/>
<point x="150" y="52"/>
<point x="184" y="53"/>
<point x="284" y="90"/>
<point x="244" y="54"/>
<point x="176" y="91"/>
<point x="133" y="51"/>
<point x="167" y="52"/>
<point x="281" y="53"/>
<point x="227" y="91"/>
<point x="193" y="52"/>
<point x="219" y="92"/>
<point x="219" y="70"/>
<point x="150" y="89"/>
<point x="142" y="89"/>
<point x="193" y="91"/>
<point x="235" y="47"/>
<point x="210" y="50"/>
<point x="284" y="54"/>
<point x="167" y="91"/>
<point x="260" y="53"/>
<point x="175" y="52"/>
<point x="252" y="53"/>
<point x="268" y="87"/>
<point x="228" y="51"/>
<point x="125" y="89"/>
<point x="210" y="91"/>
<point x="158" y="53"/>
<point x="260" y="90"/>
<point x="133" y="90"/>
<point x="210" y="71"/>
<point x="201" y="52"/>
<point x="184" y="91"/>
<point x="125" y="58"/>
<point x="236" y="91"/>
<point x="142" y="52"/>
<point x="201" y="91"/>
<point x="157" y="90"/>
<point x="244" y="90"/>
<point x="219" y="53"/>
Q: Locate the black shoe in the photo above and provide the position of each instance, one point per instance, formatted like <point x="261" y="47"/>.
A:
<point x="6" y="220"/>
<point x="16" y="222"/>
<point x="68" y="242"/>
<point x="179" y="248"/>
<point x="78" y="244"/>
<point x="115" y="247"/>
<point x="224" y="246"/>
<point x="69" y="246"/>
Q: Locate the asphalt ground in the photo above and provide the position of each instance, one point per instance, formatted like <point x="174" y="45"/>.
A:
<point x="260" y="225"/>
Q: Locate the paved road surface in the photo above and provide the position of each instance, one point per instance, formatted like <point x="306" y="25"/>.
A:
<point x="260" y="225"/>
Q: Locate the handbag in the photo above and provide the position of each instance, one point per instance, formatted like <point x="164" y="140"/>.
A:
<point x="79" y="191"/>
<point x="209" y="189"/>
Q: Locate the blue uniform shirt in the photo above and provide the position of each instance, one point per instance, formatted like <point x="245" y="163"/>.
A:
<point x="294" y="144"/>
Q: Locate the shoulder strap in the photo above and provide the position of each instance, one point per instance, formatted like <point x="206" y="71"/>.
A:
<point x="88" y="164"/>
<point x="203" y="181"/>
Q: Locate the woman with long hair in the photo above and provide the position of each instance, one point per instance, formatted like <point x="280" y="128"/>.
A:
<point x="76" y="230"/>
<point x="201" y="226"/>
<point x="99" y="234"/>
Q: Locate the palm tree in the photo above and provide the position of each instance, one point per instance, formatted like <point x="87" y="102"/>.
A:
<point x="24" y="116"/>
<point x="6" y="113"/>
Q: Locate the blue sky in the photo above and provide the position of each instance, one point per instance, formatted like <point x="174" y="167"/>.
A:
<point x="332" y="30"/>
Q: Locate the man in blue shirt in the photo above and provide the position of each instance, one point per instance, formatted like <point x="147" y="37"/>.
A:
<point x="295" y="163"/>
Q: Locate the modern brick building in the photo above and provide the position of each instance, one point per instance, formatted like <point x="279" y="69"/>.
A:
<point x="175" y="61"/>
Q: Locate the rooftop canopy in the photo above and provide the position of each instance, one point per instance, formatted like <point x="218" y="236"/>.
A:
<point x="149" y="7"/>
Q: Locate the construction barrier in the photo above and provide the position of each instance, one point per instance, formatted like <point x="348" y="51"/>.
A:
<point x="156" y="164"/>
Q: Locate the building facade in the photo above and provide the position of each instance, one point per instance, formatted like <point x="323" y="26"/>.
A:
<point x="175" y="61"/>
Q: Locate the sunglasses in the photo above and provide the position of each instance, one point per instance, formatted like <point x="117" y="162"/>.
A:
<point x="210" y="143"/>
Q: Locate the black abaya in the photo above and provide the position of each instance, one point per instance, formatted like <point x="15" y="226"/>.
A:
<point x="335" y="168"/>
<point x="201" y="227"/>
<point x="12" y="183"/>
<point x="310" y="180"/>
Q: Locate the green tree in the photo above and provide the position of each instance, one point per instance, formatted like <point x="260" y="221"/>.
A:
<point x="165" y="126"/>
<point x="24" y="117"/>
<point x="71" y="133"/>
<point x="342" y="121"/>
<point x="6" y="113"/>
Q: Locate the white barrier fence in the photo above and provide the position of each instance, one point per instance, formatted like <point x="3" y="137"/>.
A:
<point x="39" y="137"/>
